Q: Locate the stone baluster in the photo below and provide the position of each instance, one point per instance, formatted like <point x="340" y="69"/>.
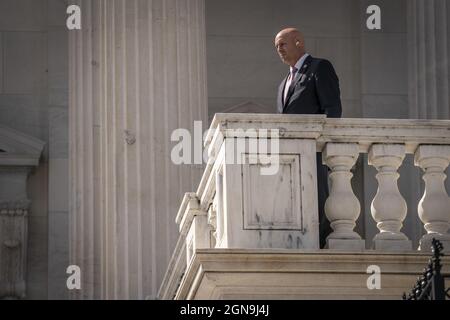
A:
<point x="388" y="206"/>
<point x="342" y="208"/>
<point x="434" y="207"/>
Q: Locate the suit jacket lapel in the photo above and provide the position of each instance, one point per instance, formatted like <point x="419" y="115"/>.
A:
<point x="298" y="78"/>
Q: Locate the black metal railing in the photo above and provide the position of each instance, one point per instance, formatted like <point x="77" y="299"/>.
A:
<point x="431" y="285"/>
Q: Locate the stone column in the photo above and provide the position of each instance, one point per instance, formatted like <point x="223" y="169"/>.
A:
<point x="137" y="71"/>
<point x="428" y="58"/>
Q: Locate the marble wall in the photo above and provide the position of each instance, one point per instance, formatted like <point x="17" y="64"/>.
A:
<point x="33" y="99"/>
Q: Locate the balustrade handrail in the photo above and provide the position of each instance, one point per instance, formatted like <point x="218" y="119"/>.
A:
<point x="386" y="141"/>
<point x="365" y="131"/>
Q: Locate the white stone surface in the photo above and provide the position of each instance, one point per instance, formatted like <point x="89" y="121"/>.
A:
<point x="365" y="135"/>
<point x="298" y="274"/>
<point x="342" y="208"/>
<point x="198" y="236"/>
<point x="346" y="244"/>
<point x="411" y="186"/>
<point x="189" y="208"/>
<point x="392" y="245"/>
<point x="175" y="271"/>
<point x="277" y="211"/>
<point x="365" y="132"/>
<point x="125" y="190"/>
<point x="435" y="203"/>
<point x="388" y="207"/>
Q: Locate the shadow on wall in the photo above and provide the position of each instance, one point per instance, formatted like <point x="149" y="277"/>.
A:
<point x="246" y="107"/>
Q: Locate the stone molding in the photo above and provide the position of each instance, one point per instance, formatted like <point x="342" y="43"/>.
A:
<point x="14" y="207"/>
<point x="19" y="149"/>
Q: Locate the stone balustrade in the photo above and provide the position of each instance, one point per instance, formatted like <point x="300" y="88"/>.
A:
<point x="237" y="205"/>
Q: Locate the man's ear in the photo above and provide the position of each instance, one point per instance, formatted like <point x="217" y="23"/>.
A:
<point x="297" y="43"/>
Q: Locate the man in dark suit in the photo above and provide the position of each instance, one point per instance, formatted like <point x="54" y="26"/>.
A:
<point x="311" y="87"/>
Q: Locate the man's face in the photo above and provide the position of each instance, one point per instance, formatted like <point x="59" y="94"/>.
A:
<point x="287" y="50"/>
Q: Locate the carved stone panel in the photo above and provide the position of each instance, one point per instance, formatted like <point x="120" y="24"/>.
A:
<point x="272" y="202"/>
<point x="13" y="248"/>
<point x="272" y="211"/>
<point x="19" y="154"/>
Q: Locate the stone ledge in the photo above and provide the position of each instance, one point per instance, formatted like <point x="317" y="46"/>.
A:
<point x="299" y="274"/>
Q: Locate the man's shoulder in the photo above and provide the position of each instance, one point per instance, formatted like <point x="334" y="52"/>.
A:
<point x="320" y="61"/>
<point x="321" y="64"/>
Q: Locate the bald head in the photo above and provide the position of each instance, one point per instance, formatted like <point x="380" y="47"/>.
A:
<point x="290" y="45"/>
